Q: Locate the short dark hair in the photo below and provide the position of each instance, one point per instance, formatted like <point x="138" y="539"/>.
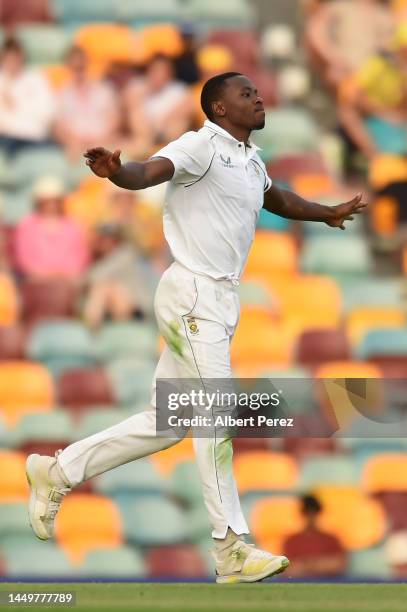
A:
<point x="13" y="45"/>
<point x="213" y="89"/>
<point x="310" y="504"/>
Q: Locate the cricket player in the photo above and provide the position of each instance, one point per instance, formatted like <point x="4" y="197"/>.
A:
<point x="217" y="185"/>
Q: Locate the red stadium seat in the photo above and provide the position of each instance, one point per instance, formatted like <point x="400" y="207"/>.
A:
<point x="84" y="387"/>
<point x="48" y="299"/>
<point x="243" y="44"/>
<point x="12" y="342"/>
<point x="286" y="168"/>
<point x="179" y="561"/>
<point x="322" y="345"/>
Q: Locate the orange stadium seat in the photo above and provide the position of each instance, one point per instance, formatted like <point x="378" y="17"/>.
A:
<point x="358" y="521"/>
<point x="385" y="472"/>
<point x="312" y="185"/>
<point x="86" y="523"/>
<point x="273" y="519"/>
<point x="167" y="460"/>
<point x="361" y="320"/>
<point x="24" y="387"/>
<point x="160" y="39"/>
<point x="119" y="44"/>
<point x="271" y="253"/>
<point x="13" y="482"/>
<point x="385" y="214"/>
<point x="308" y="301"/>
<point x="265" y="470"/>
<point x="8" y="301"/>
<point x="262" y="343"/>
<point x="87" y="205"/>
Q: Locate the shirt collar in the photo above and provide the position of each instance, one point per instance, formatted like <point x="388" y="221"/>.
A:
<point x="219" y="130"/>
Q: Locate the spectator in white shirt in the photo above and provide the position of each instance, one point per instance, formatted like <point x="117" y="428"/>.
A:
<point x="27" y="104"/>
<point x="88" y="110"/>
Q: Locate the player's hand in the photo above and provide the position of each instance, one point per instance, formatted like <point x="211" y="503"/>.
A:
<point x="102" y="162"/>
<point x="343" y="212"/>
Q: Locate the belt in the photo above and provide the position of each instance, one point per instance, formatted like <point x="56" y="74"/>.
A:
<point x="229" y="277"/>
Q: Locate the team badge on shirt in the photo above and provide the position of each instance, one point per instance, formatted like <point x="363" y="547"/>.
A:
<point x="193" y="327"/>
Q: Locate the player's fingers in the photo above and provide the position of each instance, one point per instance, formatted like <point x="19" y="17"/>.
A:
<point x="116" y="155"/>
<point x="349" y="219"/>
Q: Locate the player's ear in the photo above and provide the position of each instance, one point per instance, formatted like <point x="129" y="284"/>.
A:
<point x="218" y="109"/>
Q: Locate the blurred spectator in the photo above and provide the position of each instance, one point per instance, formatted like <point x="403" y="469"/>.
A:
<point x="87" y="112"/>
<point x="396" y="553"/>
<point x="159" y="107"/>
<point x="312" y="552"/>
<point x="334" y="35"/>
<point x="27" y="104"/>
<point x="373" y="103"/>
<point x="186" y="64"/>
<point x="120" y="285"/>
<point x="48" y="243"/>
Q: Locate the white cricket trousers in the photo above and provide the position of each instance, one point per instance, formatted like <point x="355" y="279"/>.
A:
<point x="197" y="317"/>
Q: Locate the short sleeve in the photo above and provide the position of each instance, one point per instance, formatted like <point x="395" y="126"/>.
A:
<point x="191" y="155"/>
<point x="268" y="183"/>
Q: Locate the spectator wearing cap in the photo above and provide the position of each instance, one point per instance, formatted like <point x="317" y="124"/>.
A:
<point x="48" y="244"/>
<point x="313" y="552"/>
<point x="87" y="109"/>
<point x="27" y="104"/>
<point x="119" y="284"/>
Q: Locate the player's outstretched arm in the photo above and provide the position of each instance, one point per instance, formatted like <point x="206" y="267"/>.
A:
<point x="291" y="206"/>
<point x="133" y="175"/>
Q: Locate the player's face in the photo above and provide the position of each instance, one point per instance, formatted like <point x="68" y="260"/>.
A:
<point x="243" y="105"/>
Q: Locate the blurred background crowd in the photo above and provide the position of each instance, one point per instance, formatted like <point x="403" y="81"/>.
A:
<point x="80" y="259"/>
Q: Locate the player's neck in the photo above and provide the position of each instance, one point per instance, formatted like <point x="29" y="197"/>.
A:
<point x="241" y="134"/>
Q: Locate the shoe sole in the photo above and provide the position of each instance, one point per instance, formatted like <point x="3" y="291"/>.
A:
<point x="268" y="573"/>
<point x="29" y="470"/>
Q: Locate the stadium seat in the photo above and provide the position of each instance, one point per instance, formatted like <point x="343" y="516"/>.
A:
<point x="317" y="471"/>
<point x="131" y="380"/>
<point x="336" y="255"/>
<point x="12" y="342"/>
<point x="138" y="476"/>
<point x="86" y="204"/>
<point x="313" y="185"/>
<point x="158" y="39"/>
<point x="13" y="520"/>
<point x="27" y="558"/>
<point x="8" y="301"/>
<point x="43" y="43"/>
<point x="186" y="484"/>
<point x="61" y="345"/>
<point x="304" y="448"/>
<point x="273" y="519"/>
<point x="308" y="302"/>
<point x="153" y="520"/>
<point x="16" y="204"/>
<point x="212" y="14"/>
<point x="394" y="504"/>
<point x="44" y="433"/>
<point x="380" y="342"/>
<point x="86" y="523"/>
<point x="24" y="387"/>
<point x="84" y="387"/>
<point x="271" y="253"/>
<point x="254" y="293"/>
<point x="243" y="44"/>
<point x="47" y="299"/>
<point x="124" y="562"/>
<point x="358" y="521"/>
<point x="322" y="345"/>
<point x="369" y="564"/>
<point x="372" y="292"/>
<point x="286" y="168"/>
<point x="76" y="11"/>
<point x="127" y="339"/>
<point x="288" y="132"/>
<point x="31" y="165"/>
<point x="360" y="321"/>
<point x="271" y="222"/>
<point x="98" y="418"/>
<point x="140" y="13"/>
<point x="167" y="460"/>
<point x="265" y="471"/>
<point x="262" y="345"/>
<point x="385" y="472"/>
<point x="119" y="44"/>
<point x="182" y="561"/>
<point x="13" y="482"/>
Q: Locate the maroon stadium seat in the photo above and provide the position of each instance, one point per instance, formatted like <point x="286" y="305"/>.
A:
<point x="47" y="299"/>
<point x="318" y="346"/>
<point x="175" y="562"/>
<point x="302" y="448"/>
<point x="243" y="44"/>
<point x="82" y="388"/>
<point x="12" y="342"/>
<point x="286" y="168"/>
<point x="24" y="11"/>
<point x="395" y="505"/>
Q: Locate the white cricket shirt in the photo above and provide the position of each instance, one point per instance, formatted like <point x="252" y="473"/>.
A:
<point x="213" y="201"/>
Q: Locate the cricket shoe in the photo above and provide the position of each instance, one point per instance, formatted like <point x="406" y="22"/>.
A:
<point x="46" y="495"/>
<point x="245" y="563"/>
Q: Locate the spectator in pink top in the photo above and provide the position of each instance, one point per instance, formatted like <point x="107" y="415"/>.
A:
<point x="50" y="245"/>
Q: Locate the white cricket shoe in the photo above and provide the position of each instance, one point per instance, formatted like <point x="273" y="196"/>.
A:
<point x="245" y="563"/>
<point x="46" y="496"/>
